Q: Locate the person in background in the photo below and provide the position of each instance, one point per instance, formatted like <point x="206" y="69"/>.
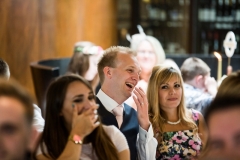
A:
<point x="38" y="121"/>
<point x="172" y="63"/>
<point x="84" y="61"/>
<point x="181" y="132"/>
<point x="199" y="87"/>
<point x="16" y="117"/>
<point x="119" y="74"/>
<point x="72" y="128"/>
<point x="223" y="117"/>
<point x="4" y="70"/>
<point x="149" y="53"/>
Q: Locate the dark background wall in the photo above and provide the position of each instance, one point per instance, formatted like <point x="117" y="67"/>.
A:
<point x="31" y="30"/>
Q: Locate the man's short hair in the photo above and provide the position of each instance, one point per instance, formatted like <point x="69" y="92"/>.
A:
<point x="109" y="58"/>
<point x="4" y="69"/>
<point x="230" y="85"/>
<point x="221" y="103"/>
<point x="192" y="67"/>
<point x="228" y="95"/>
<point x="13" y="90"/>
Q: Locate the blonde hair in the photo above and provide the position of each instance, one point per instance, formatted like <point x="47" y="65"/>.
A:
<point x="162" y="74"/>
<point x="109" y="58"/>
<point x="157" y="47"/>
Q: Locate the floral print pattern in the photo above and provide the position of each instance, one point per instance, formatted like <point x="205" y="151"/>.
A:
<point x="178" y="145"/>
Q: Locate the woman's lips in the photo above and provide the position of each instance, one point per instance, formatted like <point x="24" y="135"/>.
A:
<point x="172" y="99"/>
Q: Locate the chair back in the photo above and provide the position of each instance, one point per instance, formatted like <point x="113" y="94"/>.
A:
<point x="43" y="72"/>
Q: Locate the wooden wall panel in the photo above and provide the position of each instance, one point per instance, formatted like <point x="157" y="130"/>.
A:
<point x="19" y="36"/>
<point x="41" y="29"/>
<point x="69" y="17"/>
<point x="100" y="19"/>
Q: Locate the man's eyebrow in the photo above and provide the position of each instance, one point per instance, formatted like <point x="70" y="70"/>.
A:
<point x="134" y="67"/>
<point x="131" y="66"/>
<point x="236" y="135"/>
<point x="217" y="141"/>
<point x="8" y="125"/>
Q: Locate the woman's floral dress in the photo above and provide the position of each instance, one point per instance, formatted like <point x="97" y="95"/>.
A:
<point x="179" y="144"/>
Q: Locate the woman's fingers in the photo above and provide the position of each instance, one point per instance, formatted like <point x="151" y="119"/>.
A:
<point x="91" y="114"/>
<point x="85" y="122"/>
<point x="75" y="113"/>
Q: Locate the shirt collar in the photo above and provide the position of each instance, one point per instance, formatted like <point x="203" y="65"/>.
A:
<point x="107" y="101"/>
<point x="191" y="87"/>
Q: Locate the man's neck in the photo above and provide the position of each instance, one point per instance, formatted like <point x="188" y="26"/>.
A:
<point x="191" y="83"/>
<point x="195" y="86"/>
<point x="110" y="92"/>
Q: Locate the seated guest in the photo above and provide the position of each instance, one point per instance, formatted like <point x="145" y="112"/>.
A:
<point x="4" y="70"/>
<point x="199" y="87"/>
<point x="38" y="121"/>
<point x="84" y="61"/>
<point x="172" y="63"/>
<point x="181" y="132"/>
<point x="149" y="53"/>
<point x="16" y="117"/>
<point x="223" y="117"/>
<point x="72" y="128"/>
<point x="119" y="73"/>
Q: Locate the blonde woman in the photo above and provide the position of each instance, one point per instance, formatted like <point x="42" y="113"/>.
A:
<point x="181" y="133"/>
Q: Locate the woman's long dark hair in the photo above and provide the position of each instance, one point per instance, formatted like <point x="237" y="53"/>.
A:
<point x="55" y="134"/>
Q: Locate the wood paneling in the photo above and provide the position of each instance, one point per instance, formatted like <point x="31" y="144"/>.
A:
<point x="41" y="29"/>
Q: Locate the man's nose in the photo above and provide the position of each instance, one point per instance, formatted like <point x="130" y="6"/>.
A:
<point x="135" y="77"/>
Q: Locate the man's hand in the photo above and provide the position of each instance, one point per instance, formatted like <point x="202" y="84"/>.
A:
<point x="211" y="85"/>
<point x="141" y="101"/>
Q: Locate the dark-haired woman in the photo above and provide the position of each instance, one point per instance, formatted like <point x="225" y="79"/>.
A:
<point x="84" y="62"/>
<point x="72" y="129"/>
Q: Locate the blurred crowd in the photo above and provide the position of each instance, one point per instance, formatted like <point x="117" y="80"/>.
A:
<point x="123" y="103"/>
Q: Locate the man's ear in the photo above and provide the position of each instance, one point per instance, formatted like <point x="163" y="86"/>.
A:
<point x="33" y="139"/>
<point x="199" y="80"/>
<point x="107" y="72"/>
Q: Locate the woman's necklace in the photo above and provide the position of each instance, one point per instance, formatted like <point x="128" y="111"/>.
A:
<point x="174" y="123"/>
<point x="169" y="122"/>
